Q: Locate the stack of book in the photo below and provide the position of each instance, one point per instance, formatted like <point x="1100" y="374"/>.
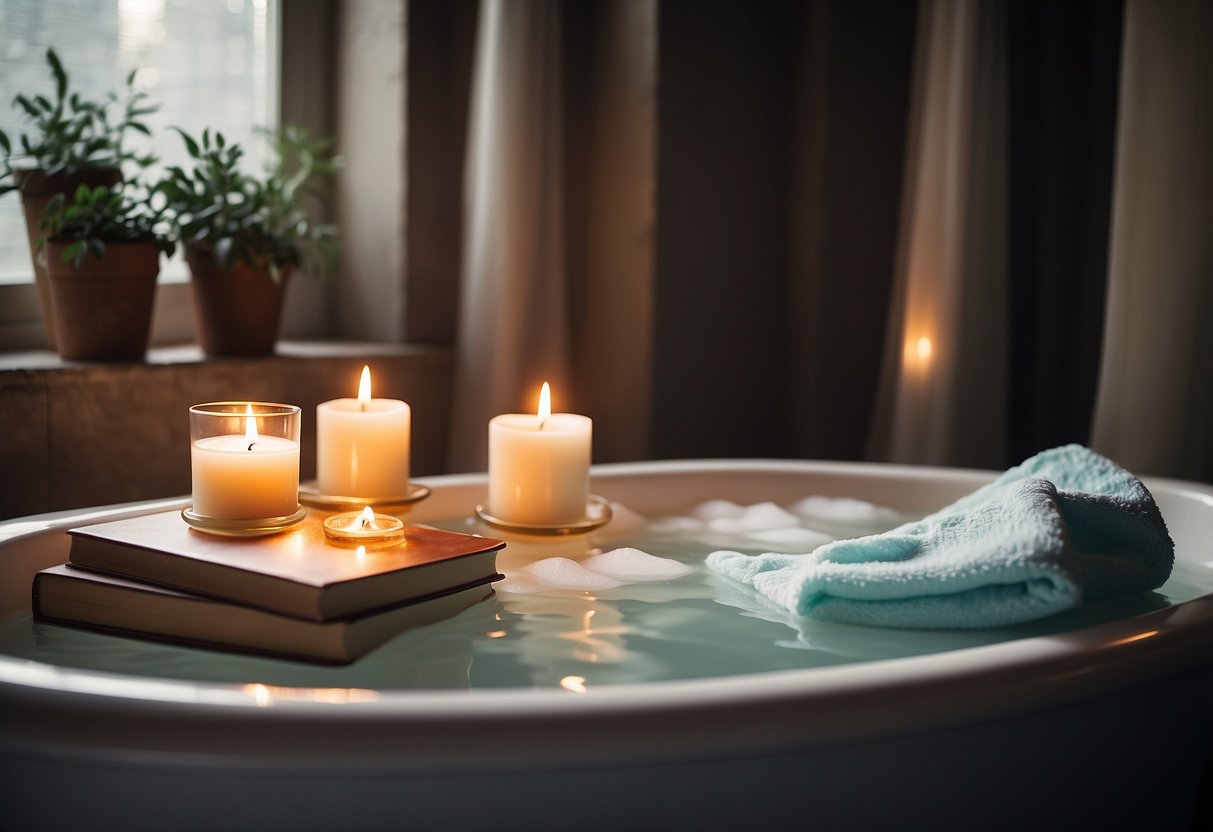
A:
<point x="292" y="594"/>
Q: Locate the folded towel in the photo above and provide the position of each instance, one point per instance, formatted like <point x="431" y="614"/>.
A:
<point x="1065" y="526"/>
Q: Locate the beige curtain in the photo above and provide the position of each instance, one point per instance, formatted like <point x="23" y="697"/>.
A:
<point x="557" y="261"/>
<point x="512" y="315"/>
<point x="1154" y="409"/>
<point x="942" y="391"/>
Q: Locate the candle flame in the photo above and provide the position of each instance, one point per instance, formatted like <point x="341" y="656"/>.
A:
<point x="250" y="427"/>
<point x="924" y="348"/>
<point x="364" y="385"/>
<point x="366" y="520"/>
<point x="574" y="683"/>
<point x="545" y="403"/>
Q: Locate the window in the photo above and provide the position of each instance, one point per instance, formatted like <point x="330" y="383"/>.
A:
<point x="206" y="64"/>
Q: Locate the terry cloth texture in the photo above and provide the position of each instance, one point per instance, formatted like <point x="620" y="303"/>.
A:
<point x="1066" y="525"/>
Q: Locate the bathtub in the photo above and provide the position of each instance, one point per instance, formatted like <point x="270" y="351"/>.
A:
<point x="1105" y="726"/>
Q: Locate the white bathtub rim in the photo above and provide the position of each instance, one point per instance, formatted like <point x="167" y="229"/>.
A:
<point x="790" y="708"/>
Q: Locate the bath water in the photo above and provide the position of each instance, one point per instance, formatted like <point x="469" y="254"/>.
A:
<point x="554" y="623"/>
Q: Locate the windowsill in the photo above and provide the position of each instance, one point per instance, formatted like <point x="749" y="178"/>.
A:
<point x="83" y="433"/>
<point x="192" y="354"/>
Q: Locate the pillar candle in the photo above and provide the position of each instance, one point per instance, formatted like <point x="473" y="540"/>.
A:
<point x="238" y="479"/>
<point x="362" y="445"/>
<point x="539" y="467"/>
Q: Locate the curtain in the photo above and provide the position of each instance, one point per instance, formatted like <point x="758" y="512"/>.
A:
<point x="511" y="330"/>
<point x="685" y="215"/>
<point x="942" y="396"/>
<point x="1154" y="411"/>
<point x="557" y="237"/>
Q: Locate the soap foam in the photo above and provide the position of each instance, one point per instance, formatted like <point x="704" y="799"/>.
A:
<point x="628" y="564"/>
<point x="758" y="517"/>
<point x="565" y="573"/>
<point x="717" y="510"/>
<point x="844" y="510"/>
<point x="519" y="584"/>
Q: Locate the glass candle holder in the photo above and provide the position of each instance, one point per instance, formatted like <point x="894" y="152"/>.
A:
<point x="363" y="527"/>
<point x="244" y="461"/>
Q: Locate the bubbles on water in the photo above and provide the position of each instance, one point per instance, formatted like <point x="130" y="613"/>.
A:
<point x="519" y="584"/>
<point x="628" y="564"/>
<point x="755" y="518"/>
<point x="844" y="510"/>
<point x="566" y="573"/>
<point x="796" y="529"/>
<point x="717" y="510"/>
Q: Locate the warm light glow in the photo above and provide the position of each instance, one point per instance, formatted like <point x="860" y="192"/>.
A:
<point x="1132" y="638"/>
<point x="250" y="427"/>
<point x="366" y="520"/>
<point x="496" y="634"/>
<point x="261" y="695"/>
<point x="585" y="621"/>
<point x="574" y="683"/>
<point x="923" y="347"/>
<point x="360" y="553"/>
<point x="364" y="385"/>
<point x="545" y="403"/>
<point x="265" y="695"/>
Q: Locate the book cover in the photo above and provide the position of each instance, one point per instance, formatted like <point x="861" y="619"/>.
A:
<point x="297" y="572"/>
<point x="78" y="597"/>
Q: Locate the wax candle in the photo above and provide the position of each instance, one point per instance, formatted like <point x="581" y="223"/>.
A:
<point x="362" y="445"/>
<point x="245" y="475"/>
<point x="539" y="466"/>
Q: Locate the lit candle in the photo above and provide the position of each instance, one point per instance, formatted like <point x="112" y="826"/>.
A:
<point x="363" y="526"/>
<point x="539" y="466"/>
<point x="362" y="445"/>
<point x="244" y="476"/>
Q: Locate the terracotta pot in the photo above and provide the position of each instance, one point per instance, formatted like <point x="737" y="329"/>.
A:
<point x="236" y="311"/>
<point x="103" y="307"/>
<point x="37" y="189"/>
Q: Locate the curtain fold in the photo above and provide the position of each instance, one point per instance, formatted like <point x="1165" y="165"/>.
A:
<point x="512" y="326"/>
<point x="942" y="392"/>
<point x="562" y="238"/>
<point x="558" y="227"/>
<point x="1154" y="410"/>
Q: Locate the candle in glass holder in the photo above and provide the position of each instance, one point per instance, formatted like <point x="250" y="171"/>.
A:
<point x="244" y="460"/>
<point x="362" y="445"/>
<point x="539" y="466"/>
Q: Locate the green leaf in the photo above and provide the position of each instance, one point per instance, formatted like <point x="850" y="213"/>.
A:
<point x="58" y="72"/>
<point x="191" y="146"/>
<point x="24" y="103"/>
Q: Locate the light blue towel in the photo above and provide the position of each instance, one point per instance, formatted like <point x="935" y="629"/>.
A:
<point x="1065" y="526"/>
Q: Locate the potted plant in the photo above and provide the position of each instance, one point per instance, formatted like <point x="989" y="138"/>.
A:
<point x="101" y="252"/>
<point x="70" y="141"/>
<point x="243" y="234"/>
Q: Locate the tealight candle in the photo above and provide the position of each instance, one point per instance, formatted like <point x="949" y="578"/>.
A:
<point x="539" y="466"/>
<point x="363" y="526"/>
<point x="244" y="460"/>
<point x="362" y="445"/>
